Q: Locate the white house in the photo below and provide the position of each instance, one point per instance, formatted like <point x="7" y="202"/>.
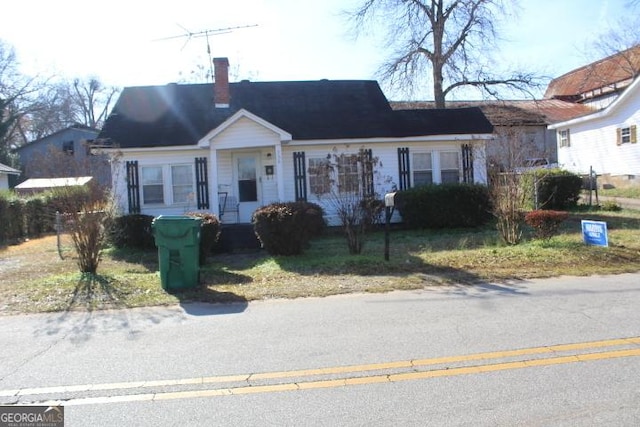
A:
<point x="5" y="171"/>
<point x="228" y="148"/>
<point x="605" y="140"/>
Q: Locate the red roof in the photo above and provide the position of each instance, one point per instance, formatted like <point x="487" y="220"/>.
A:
<point x="606" y="75"/>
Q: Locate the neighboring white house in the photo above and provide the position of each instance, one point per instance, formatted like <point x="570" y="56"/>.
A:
<point x="231" y="148"/>
<point x="605" y="141"/>
<point x="5" y="171"/>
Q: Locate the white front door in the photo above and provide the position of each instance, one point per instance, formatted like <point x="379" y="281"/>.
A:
<point x="248" y="185"/>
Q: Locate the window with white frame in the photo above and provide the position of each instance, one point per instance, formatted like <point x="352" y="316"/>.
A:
<point x="625" y="135"/>
<point x="422" y="169"/>
<point x="563" y="136"/>
<point x="348" y="181"/>
<point x="319" y="175"/>
<point x="152" y="185"/>
<point x="182" y="181"/>
<point x="449" y="167"/>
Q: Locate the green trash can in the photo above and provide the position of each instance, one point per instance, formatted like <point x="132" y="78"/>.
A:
<point x="178" y="241"/>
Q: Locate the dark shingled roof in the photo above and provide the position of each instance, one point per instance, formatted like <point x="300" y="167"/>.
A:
<point x="175" y="114"/>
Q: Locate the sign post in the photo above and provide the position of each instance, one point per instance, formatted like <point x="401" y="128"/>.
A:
<point x="594" y="233"/>
<point x="389" y="202"/>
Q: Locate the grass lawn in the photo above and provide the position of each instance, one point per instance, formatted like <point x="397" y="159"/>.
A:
<point x="631" y="193"/>
<point x="33" y="278"/>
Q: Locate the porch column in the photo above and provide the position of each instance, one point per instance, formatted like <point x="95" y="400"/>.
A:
<point x="213" y="180"/>
<point x="280" y="174"/>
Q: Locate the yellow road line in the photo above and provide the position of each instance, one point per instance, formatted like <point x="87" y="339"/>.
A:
<point x="304" y="373"/>
<point x="376" y="379"/>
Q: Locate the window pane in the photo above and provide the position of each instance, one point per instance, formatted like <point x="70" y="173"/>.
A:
<point x="422" y="173"/>
<point x="182" y="181"/>
<point x="246" y="168"/>
<point x="422" y="161"/>
<point x="348" y="174"/>
<point x="319" y="179"/>
<point x="152" y="194"/>
<point x="247" y="179"/>
<point x="152" y="185"/>
<point x="449" y="160"/>
<point x="152" y="175"/>
<point x="422" y="178"/>
<point x="182" y="175"/>
<point x="625" y="134"/>
<point x="450" y="177"/>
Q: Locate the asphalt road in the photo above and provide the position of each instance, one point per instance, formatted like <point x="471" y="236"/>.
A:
<point x="544" y="352"/>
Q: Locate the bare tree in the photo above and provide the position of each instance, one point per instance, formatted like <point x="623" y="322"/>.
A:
<point x="16" y="94"/>
<point x="92" y="101"/>
<point x="33" y="107"/>
<point x="346" y="182"/>
<point x="454" y="38"/>
<point x="88" y="212"/>
<point x="506" y="190"/>
<point x="61" y="104"/>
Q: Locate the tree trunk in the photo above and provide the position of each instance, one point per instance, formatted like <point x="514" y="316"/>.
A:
<point x="438" y="91"/>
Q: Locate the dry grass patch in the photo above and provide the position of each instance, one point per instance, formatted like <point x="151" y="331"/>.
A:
<point x="33" y="278"/>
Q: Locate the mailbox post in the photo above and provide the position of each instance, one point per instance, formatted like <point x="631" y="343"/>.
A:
<point x="389" y="203"/>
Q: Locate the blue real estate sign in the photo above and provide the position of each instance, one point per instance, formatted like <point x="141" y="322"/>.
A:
<point x="595" y="233"/>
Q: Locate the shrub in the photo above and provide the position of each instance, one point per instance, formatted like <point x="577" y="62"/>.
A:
<point x="556" y="189"/>
<point x="545" y="223"/>
<point x="13" y="220"/>
<point x="444" y="206"/>
<point x="611" y="206"/>
<point x="39" y="217"/>
<point x="286" y="228"/>
<point x="209" y="233"/>
<point x="10" y="217"/>
<point x="313" y="218"/>
<point x="508" y="200"/>
<point x="132" y="231"/>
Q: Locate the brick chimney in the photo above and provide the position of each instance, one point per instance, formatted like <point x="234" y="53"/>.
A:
<point x="221" y="95"/>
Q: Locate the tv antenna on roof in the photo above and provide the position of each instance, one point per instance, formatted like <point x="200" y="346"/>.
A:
<point x="205" y="33"/>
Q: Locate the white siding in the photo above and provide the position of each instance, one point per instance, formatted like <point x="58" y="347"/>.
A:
<point x="243" y="134"/>
<point x="4" y="181"/>
<point x="225" y="172"/>
<point x="159" y="158"/>
<point x="247" y="136"/>
<point x="593" y="144"/>
<point x="387" y="175"/>
<point x="269" y="182"/>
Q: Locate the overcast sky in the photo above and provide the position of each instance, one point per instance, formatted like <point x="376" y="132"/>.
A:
<point x="118" y="41"/>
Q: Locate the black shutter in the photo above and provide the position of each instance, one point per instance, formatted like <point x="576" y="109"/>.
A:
<point x="202" y="183"/>
<point x="133" y="186"/>
<point x="367" y="172"/>
<point x="467" y="163"/>
<point x="404" y="171"/>
<point x="300" y="176"/>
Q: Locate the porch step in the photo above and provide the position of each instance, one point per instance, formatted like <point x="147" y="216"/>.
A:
<point x="237" y="238"/>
